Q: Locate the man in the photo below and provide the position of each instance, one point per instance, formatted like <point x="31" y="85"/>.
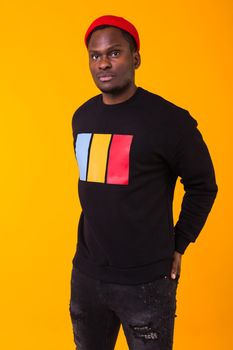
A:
<point x="131" y="145"/>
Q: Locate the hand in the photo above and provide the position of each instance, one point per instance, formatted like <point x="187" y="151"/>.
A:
<point x="176" y="265"/>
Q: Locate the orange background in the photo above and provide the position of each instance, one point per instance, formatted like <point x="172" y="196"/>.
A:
<point x="186" y="50"/>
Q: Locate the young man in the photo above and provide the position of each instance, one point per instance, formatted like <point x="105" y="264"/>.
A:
<point x="131" y="145"/>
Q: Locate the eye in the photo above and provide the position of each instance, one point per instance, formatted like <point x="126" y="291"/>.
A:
<point x="94" y="56"/>
<point x="115" y="53"/>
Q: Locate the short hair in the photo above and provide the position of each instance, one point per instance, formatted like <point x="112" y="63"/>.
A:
<point x="127" y="36"/>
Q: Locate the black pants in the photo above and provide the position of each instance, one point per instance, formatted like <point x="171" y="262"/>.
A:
<point x="146" y="312"/>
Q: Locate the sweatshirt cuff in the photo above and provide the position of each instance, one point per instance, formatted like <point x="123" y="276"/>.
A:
<point x="181" y="243"/>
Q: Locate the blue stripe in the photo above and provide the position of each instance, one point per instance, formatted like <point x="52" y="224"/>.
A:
<point x="81" y="150"/>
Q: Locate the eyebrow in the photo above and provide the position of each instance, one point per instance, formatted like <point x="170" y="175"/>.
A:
<point x="114" y="46"/>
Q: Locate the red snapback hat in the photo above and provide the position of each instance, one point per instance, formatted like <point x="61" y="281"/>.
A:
<point x="114" y="21"/>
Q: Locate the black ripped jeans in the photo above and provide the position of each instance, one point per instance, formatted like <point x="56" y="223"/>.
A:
<point x="146" y="312"/>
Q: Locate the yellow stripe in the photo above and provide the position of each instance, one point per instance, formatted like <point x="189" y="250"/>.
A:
<point x="98" y="157"/>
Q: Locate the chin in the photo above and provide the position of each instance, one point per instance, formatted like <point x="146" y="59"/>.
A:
<point x="114" y="90"/>
<point x="106" y="90"/>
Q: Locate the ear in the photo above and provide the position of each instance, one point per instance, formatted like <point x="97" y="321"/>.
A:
<point x="137" y="59"/>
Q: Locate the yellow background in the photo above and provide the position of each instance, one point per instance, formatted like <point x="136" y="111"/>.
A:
<point x="186" y="49"/>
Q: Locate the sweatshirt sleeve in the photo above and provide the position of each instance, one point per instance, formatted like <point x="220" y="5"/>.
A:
<point x="192" y="162"/>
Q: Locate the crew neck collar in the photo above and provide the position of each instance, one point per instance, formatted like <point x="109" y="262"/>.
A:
<point x="120" y="104"/>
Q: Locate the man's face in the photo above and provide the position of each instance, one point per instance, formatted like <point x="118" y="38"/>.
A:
<point x="112" y="63"/>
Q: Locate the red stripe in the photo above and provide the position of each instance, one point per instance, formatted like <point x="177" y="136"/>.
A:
<point x="118" y="161"/>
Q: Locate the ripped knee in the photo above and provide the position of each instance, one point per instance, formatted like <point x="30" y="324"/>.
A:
<point x="145" y="332"/>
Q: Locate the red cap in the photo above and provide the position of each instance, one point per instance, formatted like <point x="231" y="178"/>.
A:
<point x="114" y="21"/>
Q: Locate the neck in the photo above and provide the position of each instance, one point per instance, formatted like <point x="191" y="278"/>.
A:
<point x="114" y="98"/>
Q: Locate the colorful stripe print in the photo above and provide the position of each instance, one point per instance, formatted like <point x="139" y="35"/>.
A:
<point x="103" y="157"/>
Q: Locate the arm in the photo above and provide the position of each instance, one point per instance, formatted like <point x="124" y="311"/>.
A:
<point x="192" y="162"/>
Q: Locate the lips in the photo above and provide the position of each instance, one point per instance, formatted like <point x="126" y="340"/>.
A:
<point x="105" y="77"/>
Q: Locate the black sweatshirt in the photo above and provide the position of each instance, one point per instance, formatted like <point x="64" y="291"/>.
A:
<point x="129" y="156"/>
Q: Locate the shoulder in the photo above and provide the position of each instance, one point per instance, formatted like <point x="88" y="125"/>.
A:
<point x="86" y="107"/>
<point x="169" y="112"/>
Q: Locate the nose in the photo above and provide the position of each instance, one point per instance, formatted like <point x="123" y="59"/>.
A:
<point x="104" y="62"/>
